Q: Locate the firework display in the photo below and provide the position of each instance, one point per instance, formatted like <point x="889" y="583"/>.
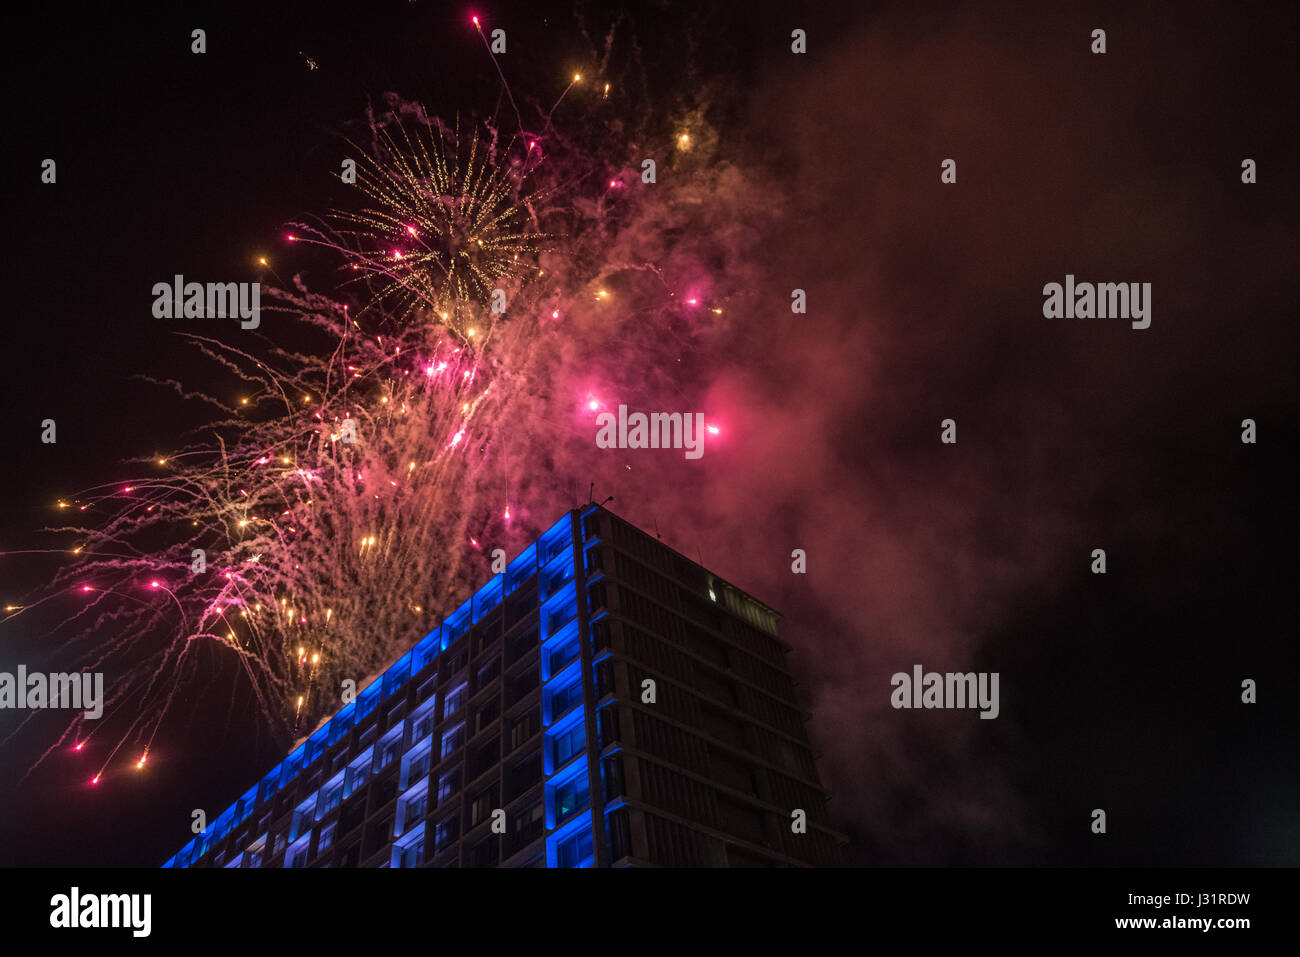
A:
<point x="357" y="485"/>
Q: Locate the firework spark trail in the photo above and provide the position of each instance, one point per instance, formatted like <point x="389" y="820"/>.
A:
<point x="496" y="63"/>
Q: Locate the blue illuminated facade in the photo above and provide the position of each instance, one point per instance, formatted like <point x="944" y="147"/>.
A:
<point x="521" y="732"/>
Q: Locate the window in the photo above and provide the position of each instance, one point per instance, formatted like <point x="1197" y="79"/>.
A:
<point x="488" y="597"/>
<point x="527" y="825"/>
<point x="356" y="774"/>
<point x="485" y="853"/>
<point x="522" y="686"/>
<point x="389" y="748"/>
<point x="447" y="785"/>
<point x="302" y="817"/>
<point x="556" y="539"/>
<point x="561" y="610"/>
<point x="456" y="626"/>
<point x="567" y="743"/>
<point x="523" y="774"/>
<point x="253" y="856"/>
<point x="453" y="739"/>
<point x="523" y="729"/>
<point x="396" y="675"/>
<point x="376" y="835"/>
<point x="523" y="567"/>
<point x="326" y="837"/>
<point x="556" y="574"/>
<point x="347" y="856"/>
<point x="417" y="807"/>
<point x="566" y="695"/>
<point x="604" y="679"/>
<point x="522" y="643"/>
<point x="576" y="851"/>
<point x="485" y="715"/>
<point x="620" y="835"/>
<point x="570" y="797"/>
<point x="563" y="653"/>
<point x="446" y="832"/>
<point x="454" y="701"/>
<point x="297" y="855"/>
<point x="423" y="723"/>
<point x="415" y="767"/>
<point x="607" y="719"/>
<point x="413" y="854"/>
<point x="426" y="690"/>
<point x="330" y="800"/>
<point x="367" y="737"/>
<point x="367" y="700"/>
<point x="425" y="651"/>
<point x="483" y="806"/>
<point x="486" y="674"/>
<point x="409" y="852"/>
<point x="612" y="774"/>
<point x="483" y="758"/>
<point x="290" y="766"/>
<point x="411" y="812"/>
<point x="484" y="639"/>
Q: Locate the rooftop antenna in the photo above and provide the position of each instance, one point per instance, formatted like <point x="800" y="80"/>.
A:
<point x="602" y="504"/>
<point x="591" y="493"/>
<point x="700" y="553"/>
<point x="657" y="535"/>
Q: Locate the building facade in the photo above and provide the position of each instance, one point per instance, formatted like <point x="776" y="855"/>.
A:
<point x="602" y="702"/>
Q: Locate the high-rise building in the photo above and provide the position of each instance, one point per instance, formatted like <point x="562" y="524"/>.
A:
<point x="602" y="702"/>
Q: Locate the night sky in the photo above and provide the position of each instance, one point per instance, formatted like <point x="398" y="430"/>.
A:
<point x="1119" y="691"/>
